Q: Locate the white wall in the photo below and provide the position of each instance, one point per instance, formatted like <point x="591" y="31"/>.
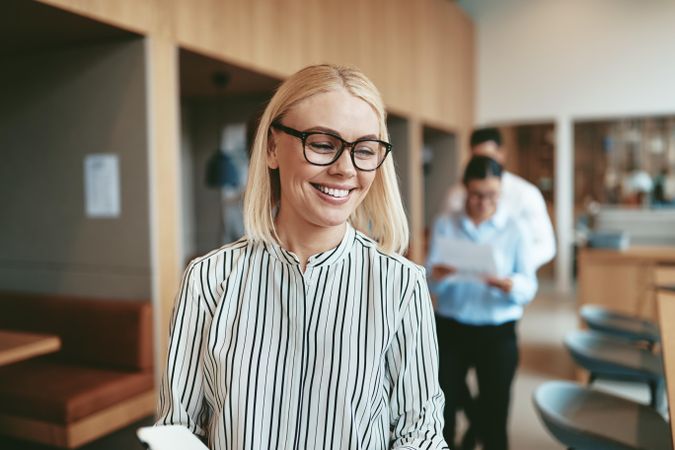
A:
<point x="564" y="60"/>
<point x="547" y="58"/>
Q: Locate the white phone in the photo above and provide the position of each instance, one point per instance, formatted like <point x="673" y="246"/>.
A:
<point x="169" y="437"/>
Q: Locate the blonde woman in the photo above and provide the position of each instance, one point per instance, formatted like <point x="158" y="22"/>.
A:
<point x="311" y="332"/>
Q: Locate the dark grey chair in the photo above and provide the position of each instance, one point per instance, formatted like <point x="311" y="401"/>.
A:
<point x="618" y="324"/>
<point x="611" y="358"/>
<point x="584" y="419"/>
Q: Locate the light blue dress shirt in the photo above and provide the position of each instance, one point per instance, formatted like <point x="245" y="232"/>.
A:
<point x="472" y="301"/>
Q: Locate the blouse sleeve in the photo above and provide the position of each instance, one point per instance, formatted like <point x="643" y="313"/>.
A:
<point x="181" y="399"/>
<point x="416" y="399"/>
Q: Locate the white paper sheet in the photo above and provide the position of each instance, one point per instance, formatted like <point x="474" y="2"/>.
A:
<point x="169" y="437"/>
<point x="102" y="185"/>
<point x="470" y="259"/>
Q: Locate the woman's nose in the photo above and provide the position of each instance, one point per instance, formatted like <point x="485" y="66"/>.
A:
<point x="344" y="164"/>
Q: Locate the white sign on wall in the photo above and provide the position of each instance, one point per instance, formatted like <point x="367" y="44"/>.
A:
<point x="102" y="185"/>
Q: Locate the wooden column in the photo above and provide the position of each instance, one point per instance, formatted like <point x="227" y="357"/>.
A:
<point x="416" y="177"/>
<point x="165" y="175"/>
<point x="564" y="202"/>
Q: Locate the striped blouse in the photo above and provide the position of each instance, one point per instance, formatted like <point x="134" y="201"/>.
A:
<point x="342" y="356"/>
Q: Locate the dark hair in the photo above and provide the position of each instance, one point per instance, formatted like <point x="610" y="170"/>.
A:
<point x="481" y="135"/>
<point x="480" y="168"/>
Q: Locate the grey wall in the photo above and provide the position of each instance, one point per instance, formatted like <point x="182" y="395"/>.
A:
<point x="203" y="120"/>
<point x="441" y="173"/>
<point x="56" y="108"/>
<point x="399" y="134"/>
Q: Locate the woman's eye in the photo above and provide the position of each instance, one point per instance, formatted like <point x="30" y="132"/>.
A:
<point x="323" y="147"/>
<point x="364" y="152"/>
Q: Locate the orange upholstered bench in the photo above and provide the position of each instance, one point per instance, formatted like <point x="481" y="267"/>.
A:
<point x="101" y="379"/>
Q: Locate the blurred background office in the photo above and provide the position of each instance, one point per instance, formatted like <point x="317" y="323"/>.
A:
<point x="111" y="112"/>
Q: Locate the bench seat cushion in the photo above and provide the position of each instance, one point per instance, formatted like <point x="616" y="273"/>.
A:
<point x="42" y="389"/>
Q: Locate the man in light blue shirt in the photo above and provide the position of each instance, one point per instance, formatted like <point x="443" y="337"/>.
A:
<point x="475" y="301"/>
<point x="476" y="316"/>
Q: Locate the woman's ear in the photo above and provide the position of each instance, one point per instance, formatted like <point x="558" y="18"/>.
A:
<point x="272" y="161"/>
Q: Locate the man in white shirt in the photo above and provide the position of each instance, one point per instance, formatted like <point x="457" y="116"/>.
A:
<point x="520" y="198"/>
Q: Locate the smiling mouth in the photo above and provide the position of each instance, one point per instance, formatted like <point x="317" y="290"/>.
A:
<point x="333" y="192"/>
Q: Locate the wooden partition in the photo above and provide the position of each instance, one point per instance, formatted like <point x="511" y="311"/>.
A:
<point x="666" y="309"/>
<point x="416" y="190"/>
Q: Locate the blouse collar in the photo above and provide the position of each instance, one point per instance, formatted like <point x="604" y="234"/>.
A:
<point x="325" y="258"/>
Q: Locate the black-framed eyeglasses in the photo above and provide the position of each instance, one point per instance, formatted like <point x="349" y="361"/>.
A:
<point x="323" y="149"/>
<point x="490" y="196"/>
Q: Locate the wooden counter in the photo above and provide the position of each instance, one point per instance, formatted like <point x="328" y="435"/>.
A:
<point x="625" y="280"/>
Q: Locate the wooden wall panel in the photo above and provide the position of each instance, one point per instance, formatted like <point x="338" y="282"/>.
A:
<point x="419" y="53"/>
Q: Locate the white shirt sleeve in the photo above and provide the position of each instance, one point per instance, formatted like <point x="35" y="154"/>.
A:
<point x="534" y="216"/>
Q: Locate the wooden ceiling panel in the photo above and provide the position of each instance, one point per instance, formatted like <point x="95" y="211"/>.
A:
<point x="203" y="76"/>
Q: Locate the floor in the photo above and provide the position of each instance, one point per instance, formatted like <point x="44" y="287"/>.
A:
<point x="543" y="358"/>
<point x="124" y="439"/>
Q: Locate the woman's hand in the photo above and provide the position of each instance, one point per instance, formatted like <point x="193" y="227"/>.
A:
<point x="505" y="284"/>
<point x="440" y="271"/>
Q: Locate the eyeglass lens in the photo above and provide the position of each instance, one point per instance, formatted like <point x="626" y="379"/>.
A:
<point x="322" y="149"/>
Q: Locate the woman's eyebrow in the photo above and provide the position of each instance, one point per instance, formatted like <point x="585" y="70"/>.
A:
<point x="336" y="133"/>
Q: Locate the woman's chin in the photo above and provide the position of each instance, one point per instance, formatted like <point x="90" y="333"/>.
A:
<point x="332" y="217"/>
<point x="332" y="222"/>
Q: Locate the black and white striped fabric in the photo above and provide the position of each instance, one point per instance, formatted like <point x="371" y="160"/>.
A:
<point x="342" y="356"/>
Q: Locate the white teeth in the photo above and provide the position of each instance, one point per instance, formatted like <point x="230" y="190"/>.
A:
<point x="337" y="193"/>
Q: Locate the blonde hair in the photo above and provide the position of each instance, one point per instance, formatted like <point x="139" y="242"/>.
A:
<point x="380" y="215"/>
